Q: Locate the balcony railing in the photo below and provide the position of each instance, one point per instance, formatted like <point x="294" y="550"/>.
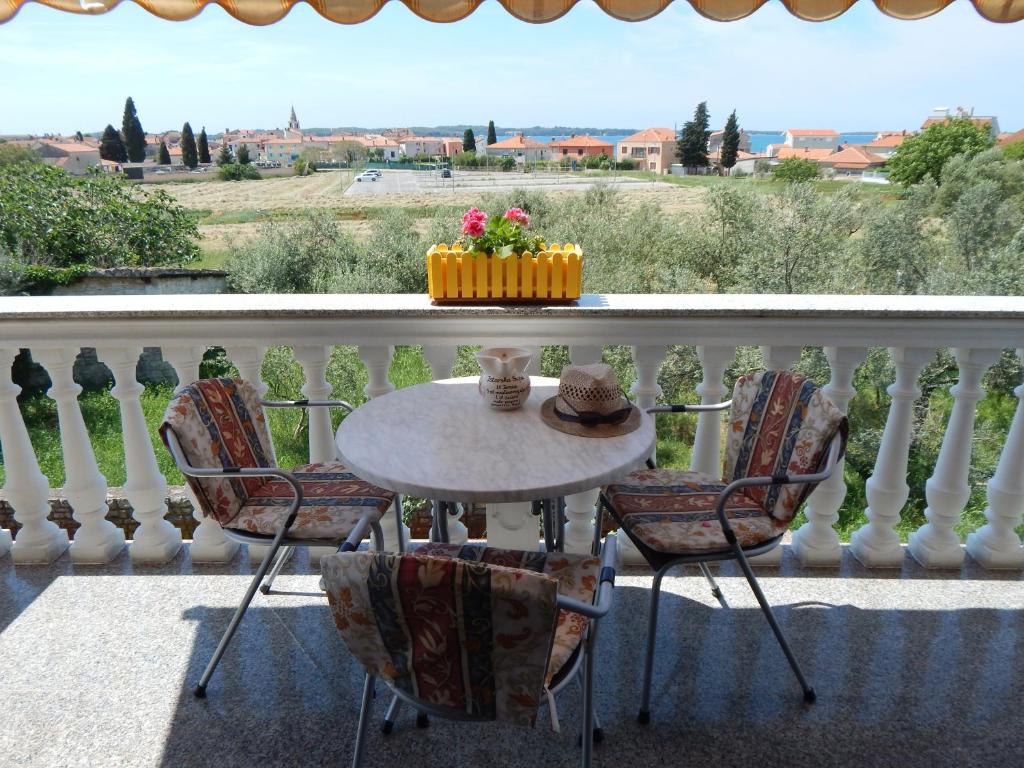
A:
<point x="183" y="327"/>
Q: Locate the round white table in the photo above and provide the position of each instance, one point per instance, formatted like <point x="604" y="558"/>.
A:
<point x="441" y="441"/>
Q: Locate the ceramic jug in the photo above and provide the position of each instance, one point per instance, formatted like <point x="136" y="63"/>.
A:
<point x="504" y="383"/>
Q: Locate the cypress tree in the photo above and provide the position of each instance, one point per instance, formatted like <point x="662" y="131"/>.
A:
<point x="692" y="147"/>
<point x="468" y="141"/>
<point x="163" y="157"/>
<point x="492" y="137"/>
<point x="224" y="155"/>
<point x="203" y="146"/>
<point x="730" y="141"/>
<point x="243" y="155"/>
<point x="189" y="153"/>
<point x="79" y="136"/>
<point x="111" y="146"/>
<point x="132" y="133"/>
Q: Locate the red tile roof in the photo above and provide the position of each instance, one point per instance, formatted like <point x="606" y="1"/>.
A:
<point x="1010" y="138"/>
<point x="575" y="142"/>
<point x="517" y="142"/>
<point x="888" y="139"/>
<point x="807" y="153"/>
<point x="650" y="135"/>
<point x="852" y="156"/>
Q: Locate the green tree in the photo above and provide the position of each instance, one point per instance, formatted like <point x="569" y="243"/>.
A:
<point x="238" y="172"/>
<point x="796" y="169"/>
<point x="692" y="146"/>
<point x="925" y="154"/>
<point x="224" y="155"/>
<point x="243" y="155"/>
<point x="163" y="157"/>
<point x="1014" y="150"/>
<point x="79" y="136"/>
<point x="730" y="142"/>
<point x="492" y="137"/>
<point x="111" y="146"/>
<point x="348" y="151"/>
<point x="16" y="153"/>
<point x="468" y="141"/>
<point x="203" y="146"/>
<point x="189" y="153"/>
<point x="132" y="134"/>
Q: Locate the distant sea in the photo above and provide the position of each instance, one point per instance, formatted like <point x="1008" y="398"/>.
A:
<point x="759" y="140"/>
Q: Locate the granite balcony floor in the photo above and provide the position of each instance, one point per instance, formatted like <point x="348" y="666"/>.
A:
<point x="912" y="668"/>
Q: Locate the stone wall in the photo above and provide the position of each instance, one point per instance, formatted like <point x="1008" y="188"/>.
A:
<point x="148" y="281"/>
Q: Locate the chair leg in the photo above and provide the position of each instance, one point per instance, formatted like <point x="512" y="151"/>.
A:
<point x="282" y="557"/>
<point x="548" y="525"/>
<point x="364" y="720"/>
<point x="598" y="731"/>
<point x="715" y="590"/>
<point x="809" y="694"/>
<point x="644" y="716"/>
<point x="595" y="546"/>
<point x="200" y="689"/>
<point x="392" y="715"/>
<point x="589" y="737"/>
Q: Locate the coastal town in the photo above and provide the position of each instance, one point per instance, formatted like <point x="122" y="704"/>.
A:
<point x="653" y="149"/>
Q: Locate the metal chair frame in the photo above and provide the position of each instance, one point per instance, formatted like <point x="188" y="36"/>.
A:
<point x="662" y="562"/>
<point x="280" y="543"/>
<point x="581" y="667"/>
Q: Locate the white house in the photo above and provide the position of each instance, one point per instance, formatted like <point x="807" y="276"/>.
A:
<point x="812" y="138"/>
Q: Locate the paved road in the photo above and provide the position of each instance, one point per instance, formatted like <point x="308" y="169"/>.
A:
<point x="411" y="182"/>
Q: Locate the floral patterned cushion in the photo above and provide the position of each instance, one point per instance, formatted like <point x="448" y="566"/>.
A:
<point x="672" y="511"/>
<point x="779" y="423"/>
<point x="463" y="635"/>
<point x="333" y="502"/>
<point x="220" y="423"/>
<point x="576" y="574"/>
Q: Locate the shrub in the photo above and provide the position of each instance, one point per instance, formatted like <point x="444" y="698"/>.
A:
<point x="1014" y="151"/>
<point x="52" y="218"/>
<point x="796" y="169"/>
<point x="508" y="164"/>
<point x="926" y="153"/>
<point x="238" y="172"/>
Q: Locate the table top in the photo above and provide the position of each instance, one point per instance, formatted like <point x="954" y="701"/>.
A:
<point x="441" y="441"/>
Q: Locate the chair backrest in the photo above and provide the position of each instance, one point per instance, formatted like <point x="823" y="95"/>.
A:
<point x="470" y="638"/>
<point x="220" y="423"/>
<point x="780" y="423"/>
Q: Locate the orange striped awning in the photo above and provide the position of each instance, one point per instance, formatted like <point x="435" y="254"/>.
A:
<point x="537" y="11"/>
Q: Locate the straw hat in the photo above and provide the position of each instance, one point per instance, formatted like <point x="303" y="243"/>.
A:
<point x="590" y="403"/>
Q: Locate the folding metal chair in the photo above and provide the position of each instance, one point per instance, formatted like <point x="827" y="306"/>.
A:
<point x="472" y="633"/>
<point x="216" y="431"/>
<point x="784" y="437"/>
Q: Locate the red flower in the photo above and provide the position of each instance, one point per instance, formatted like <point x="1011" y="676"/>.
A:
<point x="518" y="215"/>
<point x="473" y="222"/>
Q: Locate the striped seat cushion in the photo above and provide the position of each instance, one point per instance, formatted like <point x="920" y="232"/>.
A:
<point x="672" y="511"/>
<point x="576" y="576"/>
<point x="333" y="502"/>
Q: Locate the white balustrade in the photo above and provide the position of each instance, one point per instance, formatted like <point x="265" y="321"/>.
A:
<point x="97" y="540"/>
<point x="26" y="488"/>
<point x="816" y="542"/>
<point x="996" y="544"/>
<point x="707" y="443"/>
<point x="876" y="544"/>
<point x="321" y="436"/>
<point x="209" y="544"/>
<point x="845" y="325"/>
<point x="936" y="544"/>
<point x="5" y="542"/>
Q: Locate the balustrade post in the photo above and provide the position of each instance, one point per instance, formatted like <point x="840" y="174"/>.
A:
<point x="5" y="542"/>
<point x="876" y="544"/>
<point x="249" y="362"/>
<point x="321" y="437"/>
<point x="378" y="363"/>
<point x="816" y="542"/>
<point x="647" y="361"/>
<point x="440" y="360"/>
<point x="707" y="443"/>
<point x="25" y="486"/>
<point x="97" y="540"/>
<point x="511" y="526"/>
<point x="996" y="544"/>
<point x="155" y="540"/>
<point x="936" y="544"/>
<point x="776" y="358"/>
<point x="209" y="544"/>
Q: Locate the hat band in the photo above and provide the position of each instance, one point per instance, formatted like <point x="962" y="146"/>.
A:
<point x="593" y="418"/>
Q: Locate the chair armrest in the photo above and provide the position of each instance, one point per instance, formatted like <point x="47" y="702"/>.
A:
<point x="174" y="446"/>
<point x="687" y="408"/>
<point x="605" y="585"/>
<point x="783" y="479"/>
<point x="307" y="404"/>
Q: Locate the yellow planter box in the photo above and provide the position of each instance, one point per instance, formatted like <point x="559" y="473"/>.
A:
<point x="554" y="274"/>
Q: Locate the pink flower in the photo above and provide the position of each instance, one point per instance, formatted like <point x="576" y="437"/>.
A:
<point x="473" y="222"/>
<point x="518" y="215"/>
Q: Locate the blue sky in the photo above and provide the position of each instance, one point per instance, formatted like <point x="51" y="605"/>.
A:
<point x="863" y="71"/>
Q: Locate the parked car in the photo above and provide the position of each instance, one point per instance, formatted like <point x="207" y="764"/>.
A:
<point x="374" y="171"/>
<point x="446" y="173"/>
<point x="366" y="176"/>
